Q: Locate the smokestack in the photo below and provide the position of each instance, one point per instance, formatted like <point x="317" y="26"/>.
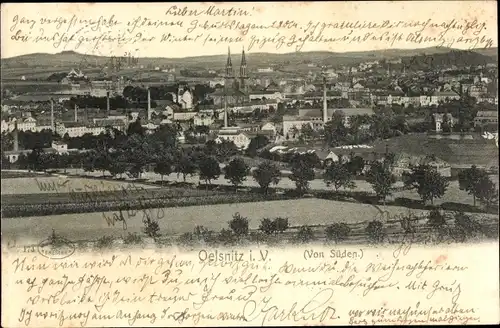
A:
<point x="76" y="114"/>
<point x="16" y="137"/>
<point x="149" y="105"/>
<point x="325" y="103"/>
<point x="225" y="108"/>
<point x="52" y="126"/>
<point x="107" y="101"/>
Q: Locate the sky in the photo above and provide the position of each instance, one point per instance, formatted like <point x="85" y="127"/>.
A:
<point x="64" y="26"/>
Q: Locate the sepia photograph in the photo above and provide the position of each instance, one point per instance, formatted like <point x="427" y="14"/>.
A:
<point x="249" y="164"/>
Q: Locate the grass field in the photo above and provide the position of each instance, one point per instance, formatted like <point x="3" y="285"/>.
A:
<point x="184" y="219"/>
<point x="453" y="193"/>
<point x="48" y="185"/>
<point x="174" y="221"/>
<point x="19" y="174"/>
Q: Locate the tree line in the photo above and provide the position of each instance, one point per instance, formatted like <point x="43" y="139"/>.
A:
<point x="136" y="152"/>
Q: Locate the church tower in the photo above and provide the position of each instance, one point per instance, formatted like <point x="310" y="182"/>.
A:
<point x="229" y="66"/>
<point x="243" y="72"/>
<point x="228" y="84"/>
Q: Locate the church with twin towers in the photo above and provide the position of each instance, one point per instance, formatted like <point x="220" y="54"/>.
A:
<point x="236" y="87"/>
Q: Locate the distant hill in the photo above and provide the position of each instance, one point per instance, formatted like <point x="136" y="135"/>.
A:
<point x="458" y="58"/>
<point x="72" y="59"/>
<point x="491" y="52"/>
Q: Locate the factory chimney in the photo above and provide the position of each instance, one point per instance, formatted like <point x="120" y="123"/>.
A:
<point x="107" y="102"/>
<point x="16" y="137"/>
<point x="76" y="113"/>
<point x="225" y="107"/>
<point x="52" y="126"/>
<point x="325" y="102"/>
<point x="149" y="104"/>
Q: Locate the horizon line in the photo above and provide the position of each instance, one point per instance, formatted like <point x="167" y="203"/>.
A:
<point x="255" y="53"/>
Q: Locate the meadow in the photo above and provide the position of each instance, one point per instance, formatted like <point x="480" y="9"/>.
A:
<point x="453" y="193"/>
<point x="53" y="184"/>
<point x="178" y="210"/>
<point x="178" y="220"/>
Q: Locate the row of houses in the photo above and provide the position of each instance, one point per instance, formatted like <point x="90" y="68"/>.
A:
<point x="402" y="161"/>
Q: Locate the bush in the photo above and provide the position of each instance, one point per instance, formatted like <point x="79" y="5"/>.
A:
<point x="436" y="219"/>
<point x="104" y="241"/>
<point x="203" y="234"/>
<point x="151" y="228"/>
<point x="226" y="237"/>
<point x="466" y="227"/>
<point x="239" y="225"/>
<point x="132" y="238"/>
<point x="281" y="224"/>
<point x="337" y="231"/>
<point x="186" y="238"/>
<point x="375" y="231"/>
<point x="408" y="225"/>
<point x="267" y="226"/>
<point x="305" y="234"/>
<point x="258" y="237"/>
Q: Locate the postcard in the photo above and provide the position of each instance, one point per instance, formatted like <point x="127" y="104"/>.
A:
<point x="249" y="164"/>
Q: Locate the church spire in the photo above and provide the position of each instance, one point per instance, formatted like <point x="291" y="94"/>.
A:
<point x="243" y="71"/>
<point x="229" y="65"/>
<point x="243" y="59"/>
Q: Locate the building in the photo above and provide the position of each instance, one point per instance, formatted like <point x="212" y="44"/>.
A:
<point x="316" y="118"/>
<point x="404" y="161"/>
<point x="241" y="139"/>
<point x="269" y="126"/>
<point x="442" y="119"/>
<point x="57" y="147"/>
<point x="486" y="119"/>
<point x="185" y="99"/>
<point x="184" y="116"/>
<point x="203" y="119"/>
<point x="23" y="124"/>
<point x="235" y="89"/>
<point x="443" y="96"/>
<point x="60" y="147"/>
<point x="265" y="70"/>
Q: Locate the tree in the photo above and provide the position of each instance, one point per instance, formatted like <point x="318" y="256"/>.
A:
<point x="236" y="171"/>
<point x="239" y="225"/>
<point x="163" y="165"/>
<point x="209" y="169"/>
<point x="381" y="179"/>
<point x="225" y="150"/>
<point x="302" y="173"/>
<point x="337" y="231"/>
<point x="308" y="132"/>
<point x="140" y="152"/>
<point x="476" y="182"/>
<point x="266" y="174"/>
<point x="102" y="160"/>
<point x="339" y="175"/>
<point x="375" y="231"/>
<point x="267" y="226"/>
<point x="256" y="143"/>
<point x="335" y="130"/>
<point x="118" y="165"/>
<point x="5" y="162"/>
<point x="446" y="125"/>
<point x="488" y="193"/>
<point x="356" y="164"/>
<point x="34" y="159"/>
<point x="281" y="224"/>
<point x="427" y="181"/>
<point x="185" y="166"/>
<point x="135" y="128"/>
